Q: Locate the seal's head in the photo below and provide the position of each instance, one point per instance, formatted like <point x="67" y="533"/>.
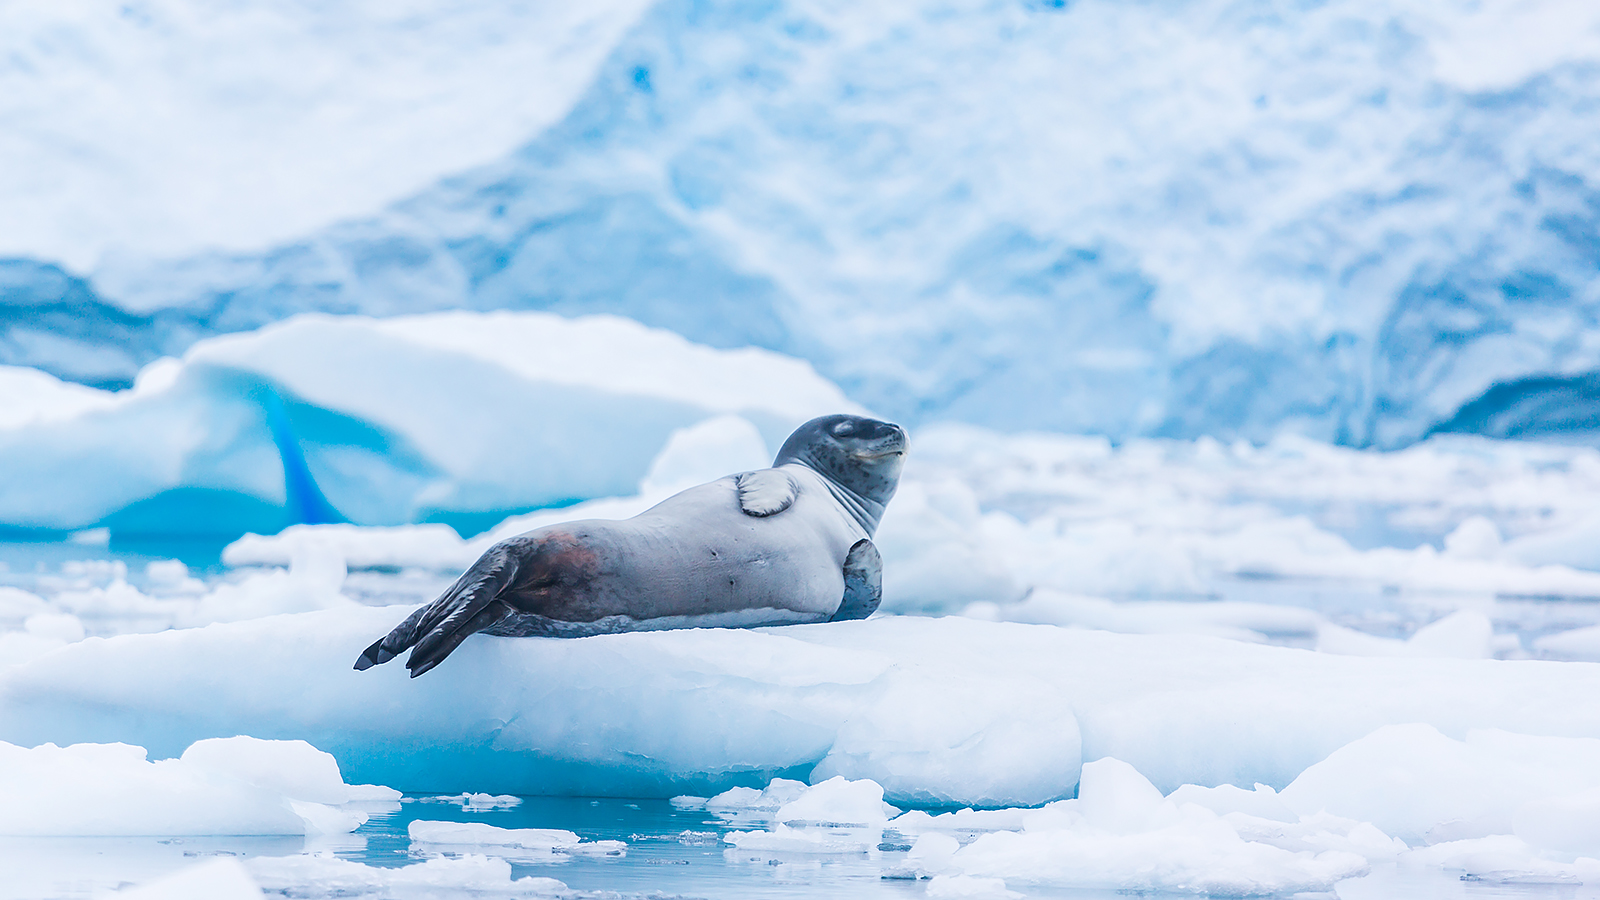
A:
<point x="863" y="456"/>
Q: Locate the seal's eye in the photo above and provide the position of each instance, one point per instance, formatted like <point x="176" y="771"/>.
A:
<point x="844" y="428"/>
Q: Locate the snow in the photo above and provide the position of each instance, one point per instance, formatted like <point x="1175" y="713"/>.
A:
<point x="236" y="785"/>
<point x="392" y="422"/>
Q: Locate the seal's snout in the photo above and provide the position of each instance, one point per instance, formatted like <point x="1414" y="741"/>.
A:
<point x="882" y="439"/>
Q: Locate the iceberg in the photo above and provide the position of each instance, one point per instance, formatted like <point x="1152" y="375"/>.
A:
<point x="1350" y="220"/>
<point x="451" y="417"/>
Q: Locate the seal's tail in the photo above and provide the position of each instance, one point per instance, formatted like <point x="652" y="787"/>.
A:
<point x="469" y="606"/>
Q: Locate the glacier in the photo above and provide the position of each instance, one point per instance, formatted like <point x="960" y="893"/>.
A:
<point x="1090" y="216"/>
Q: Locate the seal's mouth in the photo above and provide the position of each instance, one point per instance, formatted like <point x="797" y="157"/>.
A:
<point x="879" y="454"/>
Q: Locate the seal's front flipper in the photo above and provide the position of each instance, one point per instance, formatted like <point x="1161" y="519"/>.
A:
<point x="469" y="606"/>
<point x="765" y="492"/>
<point x="863" y="582"/>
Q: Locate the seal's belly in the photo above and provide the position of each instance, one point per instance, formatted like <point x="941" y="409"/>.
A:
<point x="531" y="625"/>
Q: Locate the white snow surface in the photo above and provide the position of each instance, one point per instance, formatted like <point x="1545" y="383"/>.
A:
<point x="385" y="422"/>
<point x="234" y="785"/>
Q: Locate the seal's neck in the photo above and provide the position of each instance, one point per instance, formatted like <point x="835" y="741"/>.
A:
<point x="867" y="513"/>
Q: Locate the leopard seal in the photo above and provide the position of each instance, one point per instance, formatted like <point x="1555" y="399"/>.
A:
<point x="785" y="545"/>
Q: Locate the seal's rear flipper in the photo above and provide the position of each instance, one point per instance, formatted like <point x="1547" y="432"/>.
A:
<point x="467" y="607"/>
<point x="384" y="649"/>
<point x="863" y="582"/>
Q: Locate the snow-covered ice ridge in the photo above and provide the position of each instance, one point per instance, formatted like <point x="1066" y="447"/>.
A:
<point x="1350" y="220"/>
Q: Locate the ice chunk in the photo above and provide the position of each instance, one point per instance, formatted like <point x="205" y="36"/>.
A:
<point x="544" y="843"/>
<point x="833" y="816"/>
<point x="1464" y="634"/>
<point x="1121" y="833"/>
<point x="1574" y="643"/>
<point x="1505" y="859"/>
<point x="1237" y="620"/>
<point x="292" y="768"/>
<point x="786" y="839"/>
<point x="931" y="853"/>
<point x="966" y="887"/>
<point x="313" y="580"/>
<point x="919" y="821"/>
<point x="1475" y="538"/>
<point x="1415" y="783"/>
<point x="838" y="801"/>
<point x="778" y="792"/>
<point x="1262" y="802"/>
<point x="1113" y="797"/>
<point x="477" y="802"/>
<point x="228" y="786"/>
<point x="316" y="875"/>
<point x="217" y="879"/>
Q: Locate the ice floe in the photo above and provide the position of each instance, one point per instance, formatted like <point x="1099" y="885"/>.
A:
<point x="519" y="844"/>
<point x="442" y="877"/>
<point x="236" y="785"/>
<point x="950" y="710"/>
